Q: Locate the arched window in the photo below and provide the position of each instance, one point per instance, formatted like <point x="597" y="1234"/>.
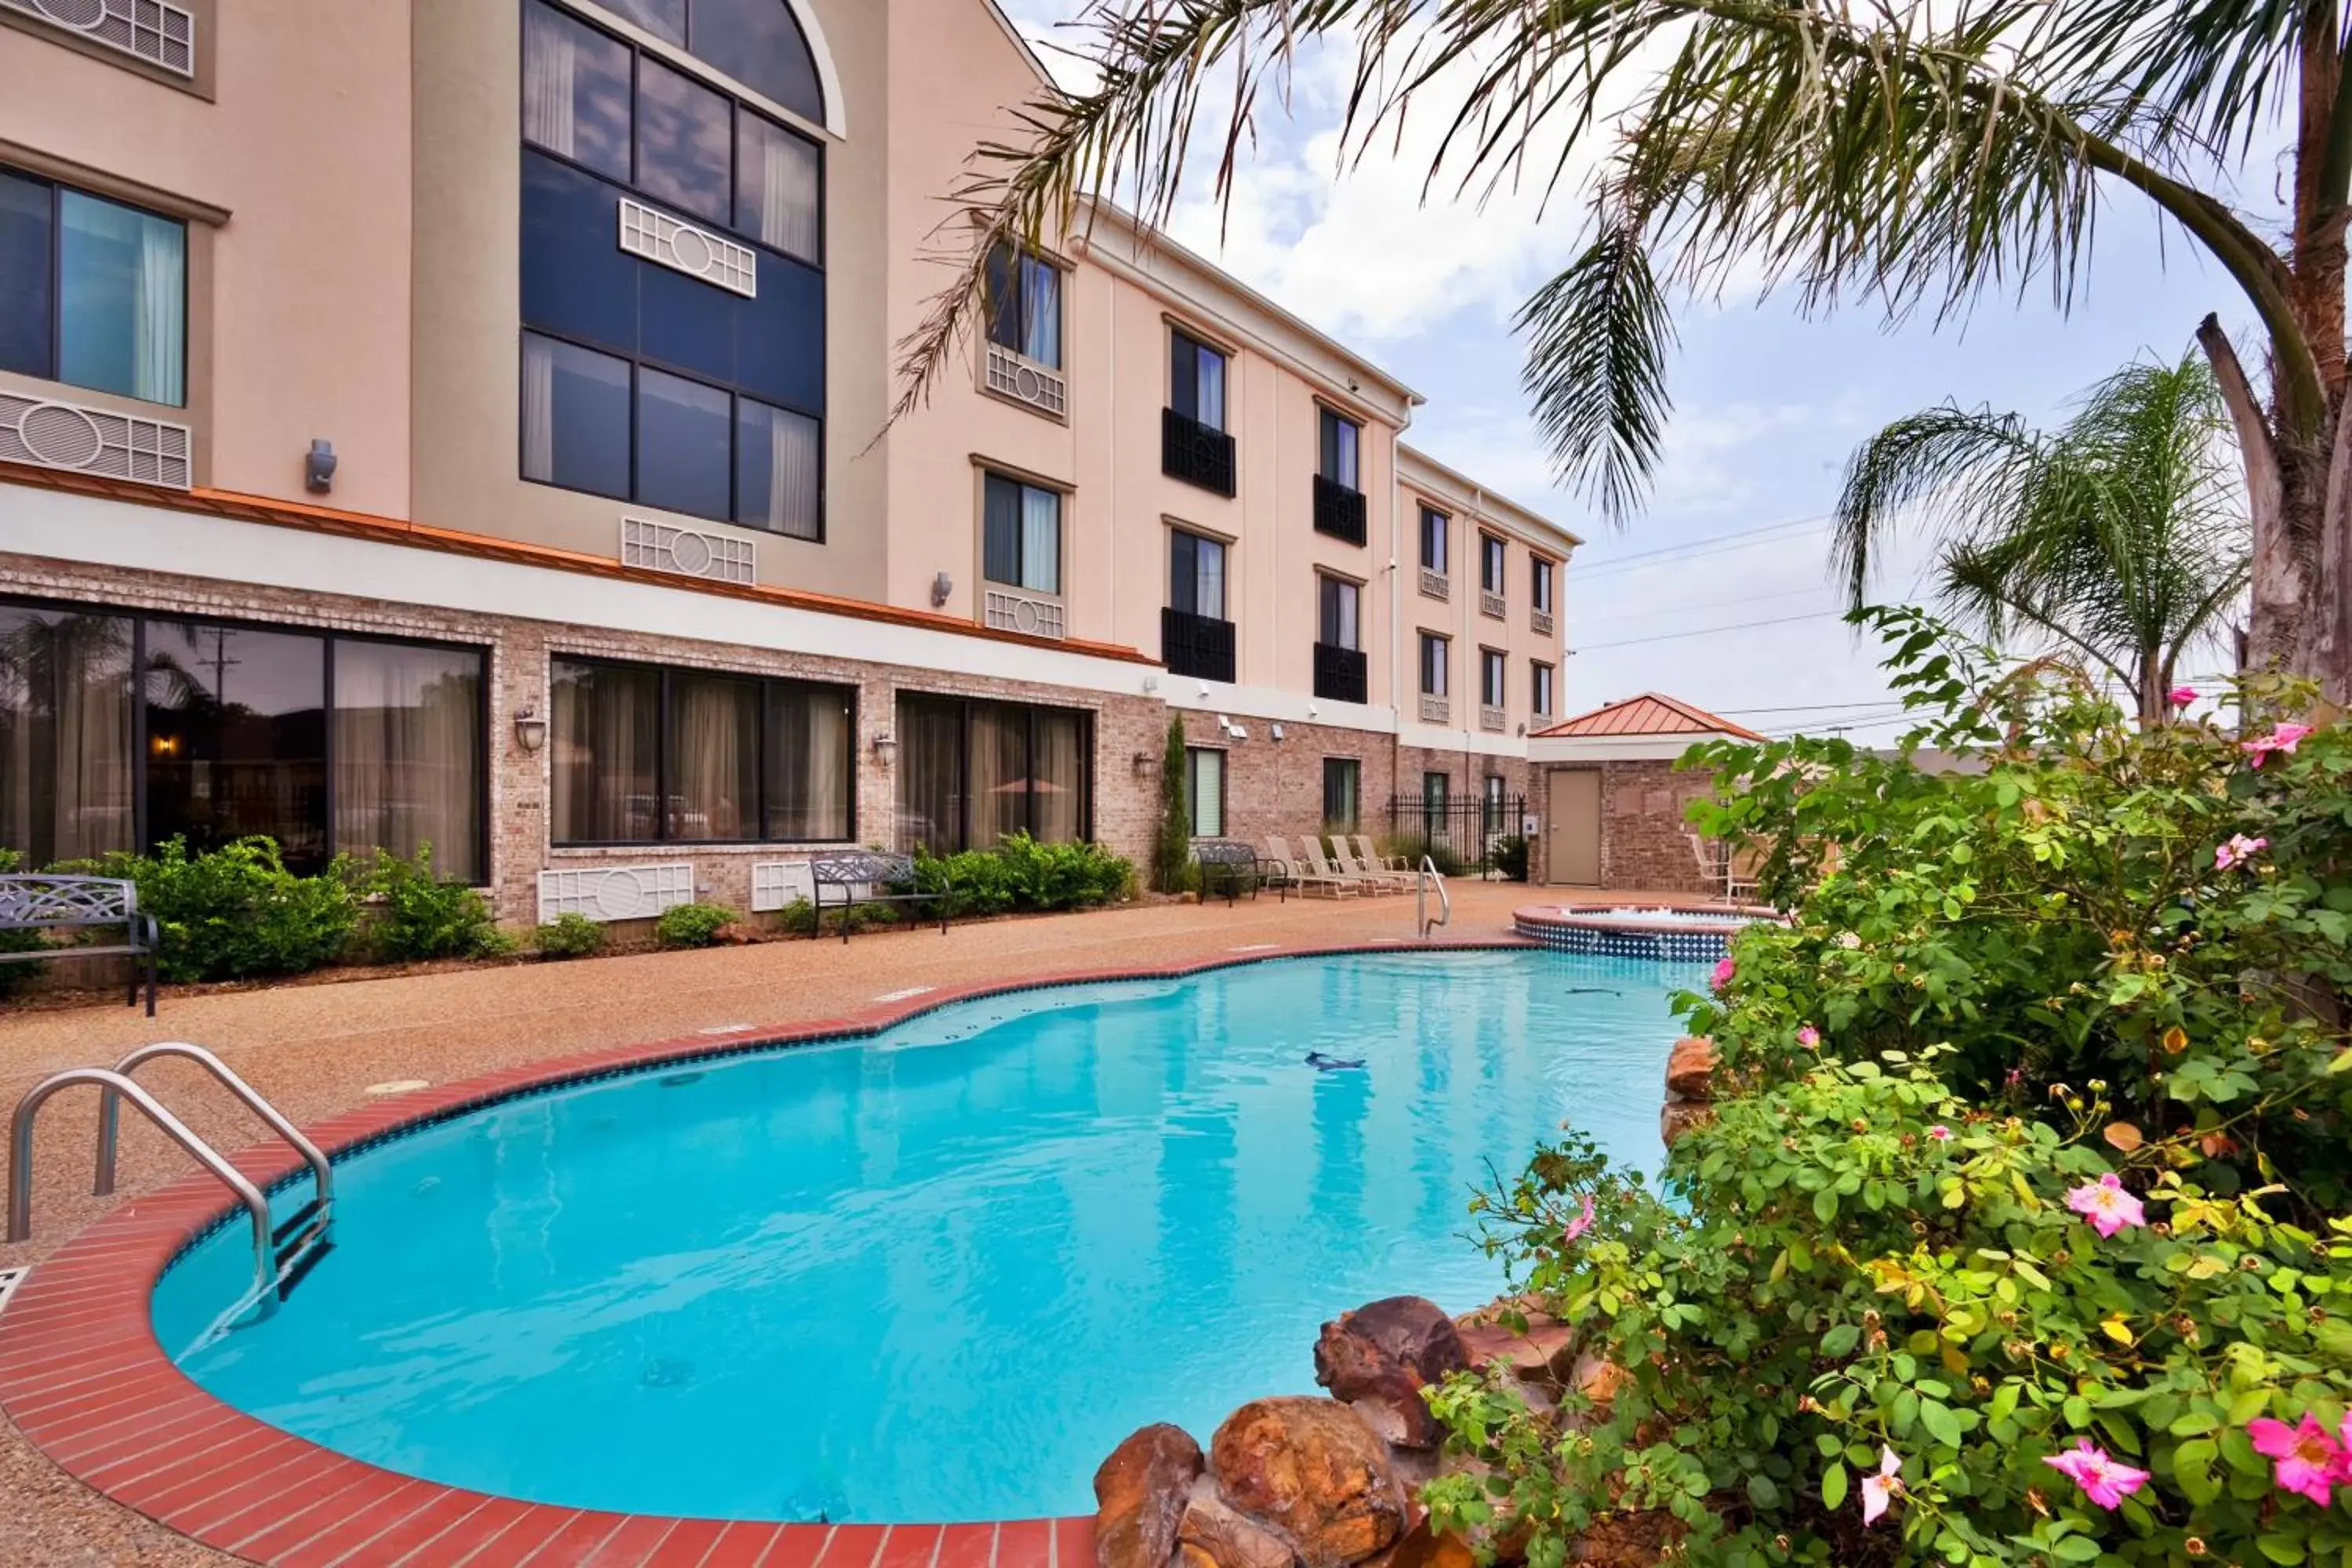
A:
<point x="757" y="42"/>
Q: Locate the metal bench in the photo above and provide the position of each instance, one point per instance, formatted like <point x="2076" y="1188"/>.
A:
<point x="858" y="873"/>
<point x="63" y="904"/>
<point x="1227" y="866"/>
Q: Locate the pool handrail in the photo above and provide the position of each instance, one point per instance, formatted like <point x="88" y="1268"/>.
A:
<point x="1429" y="874"/>
<point x="322" y="1172"/>
<point x="20" y="1162"/>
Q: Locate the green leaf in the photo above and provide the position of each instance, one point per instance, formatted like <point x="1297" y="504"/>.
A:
<point x="1841" y="1340"/>
<point x="1941" y="1423"/>
<point x="1762" y="1491"/>
<point x="2280" y="1547"/>
<point x="1834" y="1485"/>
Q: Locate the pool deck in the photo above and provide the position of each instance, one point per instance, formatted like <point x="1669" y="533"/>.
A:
<point x="80" y="1371"/>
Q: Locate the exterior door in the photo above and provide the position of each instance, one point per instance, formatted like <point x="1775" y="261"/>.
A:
<point x="1573" y="856"/>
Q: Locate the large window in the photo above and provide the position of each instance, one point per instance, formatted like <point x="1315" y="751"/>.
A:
<point x="971" y="772"/>
<point x="757" y="42"/>
<point x="1342" y="792"/>
<point x="1339" y="441"/>
<point x="92" y="293"/>
<point x="1490" y="678"/>
<point x="638" y="381"/>
<point x="1196" y="575"/>
<point x="1020" y="534"/>
<point x="326" y="744"/>
<point x="1494" y="804"/>
<point x="1493" y="558"/>
<point x="1339" y="624"/>
<point x="1434" y="650"/>
<point x="1539" y="585"/>
<point x="1196" y="380"/>
<point x="643" y="755"/>
<point x="1434" y="526"/>
<point x="1025" y="305"/>
<point x="1204" y="791"/>
<point x="1539" y="678"/>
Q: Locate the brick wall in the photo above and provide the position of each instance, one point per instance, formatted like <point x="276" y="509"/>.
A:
<point x="520" y="649"/>
<point x="1644" y="838"/>
<point x="1277" y="786"/>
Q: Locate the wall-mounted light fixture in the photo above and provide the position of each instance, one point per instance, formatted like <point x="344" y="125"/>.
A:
<point x="530" y="731"/>
<point x="1276" y="730"/>
<point x="941" y="586"/>
<point x="885" y="743"/>
<point x="319" y="468"/>
<point x="1146" y="765"/>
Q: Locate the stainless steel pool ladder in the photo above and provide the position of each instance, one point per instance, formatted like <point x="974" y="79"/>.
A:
<point x="1430" y="876"/>
<point x="282" y="1252"/>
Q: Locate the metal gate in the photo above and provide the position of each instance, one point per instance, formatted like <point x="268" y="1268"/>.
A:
<point x="1460" y="834"/>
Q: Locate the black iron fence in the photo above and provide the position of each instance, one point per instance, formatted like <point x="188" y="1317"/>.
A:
<point x="1464" y="834"/>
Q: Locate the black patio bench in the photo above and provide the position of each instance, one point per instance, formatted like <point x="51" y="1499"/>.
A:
<point x="862" y="875"/>
<point x="67" y="904"/>
<point x="1227" y="866"/>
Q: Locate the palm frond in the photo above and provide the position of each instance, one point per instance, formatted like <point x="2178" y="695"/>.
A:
<point x="1598" y="337"/>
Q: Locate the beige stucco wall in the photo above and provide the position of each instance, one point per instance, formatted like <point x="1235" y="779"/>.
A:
<point x="299" y="300"/>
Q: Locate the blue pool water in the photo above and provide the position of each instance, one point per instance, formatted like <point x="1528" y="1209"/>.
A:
<point x="935" y="1275"/>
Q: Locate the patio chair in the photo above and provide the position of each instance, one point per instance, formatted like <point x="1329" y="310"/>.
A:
<point x="1300" y="874"/>
<point x="1358" y="880"/>
<point x="1380" y="862"/>
<point x="1371" y="873"/>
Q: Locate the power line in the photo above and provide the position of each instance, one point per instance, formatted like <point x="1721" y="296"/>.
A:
<point x="1814" y="707"/>
<point x="1732" y="540"/>
<point x="1678" y="607"/>
<point x="1706" y="631"/>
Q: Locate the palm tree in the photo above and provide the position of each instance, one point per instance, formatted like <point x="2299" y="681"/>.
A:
<point x="1912" y="157"/>
<point x="2121" y="535"/>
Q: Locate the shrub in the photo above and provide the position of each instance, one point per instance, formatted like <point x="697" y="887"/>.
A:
<point x="571" y="936"/>
<point x="1511" y="857"/>
<point x="237" y="912"/>
<point x="1172" y="845"/>
<point x="2042" y="1141"/>
<point x="419" y="916"/>
<point x="693" y="925"/>
<point x="799" y="918"/>
<point x="1020" y="873"/>
<point x="1412" y="847"/>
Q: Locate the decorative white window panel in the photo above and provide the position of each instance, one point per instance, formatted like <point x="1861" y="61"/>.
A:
<point x="1436" y="585"/>
<point x="682" y="247"/>
<point x="93" y="441"/>
<point x="687" y="551"/>
<point x="1023" y="380"/>
<point x="1541" y="621"/>
<point x="1019" y="613"/>
<point x="1490" y="717"/>
<point x="150" y="30"/>
<point x="1492" y="604"/>
<point x="1434" y="710"/>
<point x="776" y="883"/>
<point x="614" y="892"/>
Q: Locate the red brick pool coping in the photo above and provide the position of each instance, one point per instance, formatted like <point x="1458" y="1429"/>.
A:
<point x="85" y="1380"/>
<point x="1627" y="917"/>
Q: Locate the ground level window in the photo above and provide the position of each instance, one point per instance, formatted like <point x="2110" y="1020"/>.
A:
<point x="326" y="744"/>
<point x="1435" y="788"/>
<point x="971" y="772"/>
<point x="1496" y="801"/>
<point x="1204" y="791"/>
<point x="643" y="755"/>
<point x="1342" y="793"/>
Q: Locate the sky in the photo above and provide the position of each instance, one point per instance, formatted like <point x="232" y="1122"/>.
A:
<point x="1718" y="591"/>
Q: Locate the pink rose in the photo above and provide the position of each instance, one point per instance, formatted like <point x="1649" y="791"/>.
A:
<point x="1876" y="1490"/>
<point x="1810" y="1037"/>
<point x="2107" y="1204"/>
<point x="2282" y="737"/>
<point x="2181" y="696"/>
<point x="2103" y="1480"/>
<point x="2238" y="851"/>
<point x="2306" y="1458"/>
<point x="1723" y="974"/>
<point x="1580" y="1224"/>
<point x="1940" y="1134"/>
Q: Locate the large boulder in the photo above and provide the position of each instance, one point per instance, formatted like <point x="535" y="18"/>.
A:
<point x="1522" y="1338"/>
<point x="1211" y="1535"/>
<point x="1312" y="1470"/>
<point x="1690" y="1068"/>
<point x="1380" y="1357"/>
<point x="1142" y="1491"/>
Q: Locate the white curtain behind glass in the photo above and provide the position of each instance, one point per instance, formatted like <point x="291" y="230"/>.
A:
<point x="159" y="339"/>
<point x="549" y="64"/>
<point x="408" y="753"/>
<point x="1041" y="541"/>
<point x="65" y="735"/>
<point x="1209" y="579"/>
<point x="779" y="179"/>
<point x="794" y="475"/>
<point x="538" y="408"/>
<point x="1041" y="295"/>
<point x="1060" y="774"/>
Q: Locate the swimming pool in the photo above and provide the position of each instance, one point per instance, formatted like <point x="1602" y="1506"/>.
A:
<point x="935" y="1275"/>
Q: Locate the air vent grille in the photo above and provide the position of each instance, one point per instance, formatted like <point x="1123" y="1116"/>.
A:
<point x="93" y="441"/>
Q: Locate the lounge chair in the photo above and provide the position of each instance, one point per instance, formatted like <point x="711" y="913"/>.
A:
<point x="1372" y="873"/>
<point x="1360" y="881"/>
<point x="1279" y="861"/>
<point x="1379" y="862"/>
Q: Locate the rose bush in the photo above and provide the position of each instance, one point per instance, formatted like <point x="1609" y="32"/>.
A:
<point x="2021" y="1235"/>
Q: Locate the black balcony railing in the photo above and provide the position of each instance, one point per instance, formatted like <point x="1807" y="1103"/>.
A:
<point x="1340" y="673"/>
<point x="1195" y="453"/>
<point x="1339" y="511"/>
<point x="1198" y="646"/>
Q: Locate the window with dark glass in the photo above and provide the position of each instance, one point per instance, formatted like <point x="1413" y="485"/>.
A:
<point x="638" y="381"/>
<point x="1435" y="790"/>
<point x="1204" y="791"/>
<point x="1338" y="625"/>
<point x="325" y="743"/>
<point x="641" y="754"/>
<point x="1196" y="380"/>
<point x="1490" y="678"/>
<point x="1342" y="792"/>
<point x="1433" y="665"/>
<point x="1492" y="562"/>
<point x="1339" y="440"/>
<point x="1539" y="585"/>
<point x="1433" y="524"/>
<point x="757" y="42"/>
<point x="971" y="772"/>
<point x="1025" y="305"/>
<point x="1196" y="575"/>
<point x="1539" y="677"/>
<point x="93" y="293"/>
<point x="1020" y="534"/>
<point x="1495" y="802"/>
